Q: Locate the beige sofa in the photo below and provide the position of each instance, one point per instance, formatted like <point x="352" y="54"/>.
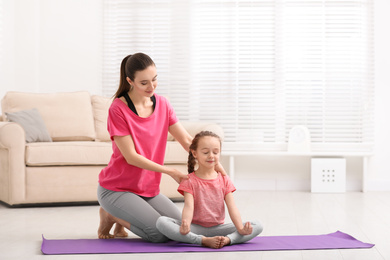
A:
<point x="65" y="169"/>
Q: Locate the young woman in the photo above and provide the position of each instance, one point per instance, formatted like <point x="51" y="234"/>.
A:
<point x="138" y="123"/>
<point x="205" y="192"/>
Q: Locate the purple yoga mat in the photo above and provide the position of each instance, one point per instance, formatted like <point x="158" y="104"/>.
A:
<point x="337" y="240"/>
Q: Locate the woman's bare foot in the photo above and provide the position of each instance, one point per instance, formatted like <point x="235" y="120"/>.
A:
<point x="119" y="231"/>
<point x="106" y="223"/>
<point x="212" y="242"/>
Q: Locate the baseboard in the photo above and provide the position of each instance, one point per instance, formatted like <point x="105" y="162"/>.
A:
<point x="272" y="184"/>
<point x="303" y="185"/>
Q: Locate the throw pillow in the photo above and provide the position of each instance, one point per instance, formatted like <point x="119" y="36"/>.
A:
<point x="32" y="123"/>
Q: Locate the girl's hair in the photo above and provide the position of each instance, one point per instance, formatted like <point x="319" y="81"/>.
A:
<point x="194" y="145"/>
<point x="129" y="66"/>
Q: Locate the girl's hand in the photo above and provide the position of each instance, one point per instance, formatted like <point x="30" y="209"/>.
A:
<point x="184" y="228"/>
<point x="178" y="176"/>
<point x="219" y="168"/>
<point x="246" y="230"/>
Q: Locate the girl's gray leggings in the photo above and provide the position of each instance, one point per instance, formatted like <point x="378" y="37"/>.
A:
<point x="170" y="227"/>
<point x="141" y="212"/>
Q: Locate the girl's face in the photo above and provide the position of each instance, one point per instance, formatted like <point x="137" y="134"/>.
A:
<point x="145" y="81"/>
<point x="208" y="151"/>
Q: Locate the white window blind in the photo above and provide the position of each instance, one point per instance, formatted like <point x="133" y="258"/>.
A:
<point x="255" y="67"/>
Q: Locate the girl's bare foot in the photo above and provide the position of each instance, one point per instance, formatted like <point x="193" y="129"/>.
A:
<point x="212" y="242"/>
<point x="119" y="231"/>
<point x="225" y="241"/>
<point x="106" y="223"/>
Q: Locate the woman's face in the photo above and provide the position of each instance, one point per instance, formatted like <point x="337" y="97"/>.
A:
<point x="145" y="81"/>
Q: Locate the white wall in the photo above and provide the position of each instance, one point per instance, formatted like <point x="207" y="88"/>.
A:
<point x="51" y="46"/>
<point x="55" y="45"/>
<point x="380" y="163"/>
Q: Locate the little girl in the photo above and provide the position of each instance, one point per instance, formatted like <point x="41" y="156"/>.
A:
<point x="205" y="192"/>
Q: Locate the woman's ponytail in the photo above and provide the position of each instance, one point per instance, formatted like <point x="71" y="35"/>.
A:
<point x="124" y="86"/>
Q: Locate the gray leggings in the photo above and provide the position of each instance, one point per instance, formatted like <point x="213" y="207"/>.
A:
<point x="170" y="227"/>
<point x="141" y="212"/>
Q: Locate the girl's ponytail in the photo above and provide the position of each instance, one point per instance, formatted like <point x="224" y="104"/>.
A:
<point x="191" y="162"/>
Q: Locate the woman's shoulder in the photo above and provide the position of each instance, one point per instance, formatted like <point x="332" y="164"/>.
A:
<point x="117" y="104"/>
<point x="161" y="98"/>
<point x="117" y="108"/>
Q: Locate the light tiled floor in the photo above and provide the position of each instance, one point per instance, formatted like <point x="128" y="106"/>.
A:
<point x="366" y="216"/>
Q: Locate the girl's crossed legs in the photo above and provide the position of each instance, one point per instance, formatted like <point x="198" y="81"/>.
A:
<point x="170" y="227"/>
<point x="137" y="213"/>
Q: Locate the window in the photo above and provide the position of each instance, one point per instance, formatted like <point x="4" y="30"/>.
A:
<point x="255" y="67"/>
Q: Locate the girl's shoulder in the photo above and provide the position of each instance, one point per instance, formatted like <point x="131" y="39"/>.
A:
<point x="226" y="179"/>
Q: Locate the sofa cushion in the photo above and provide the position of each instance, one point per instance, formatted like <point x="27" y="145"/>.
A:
<point x="67" y="116"/>
<point x="32" y="123"/>
<point x="100" y="106"/>
<point x="175" y="153"/>
<point x="68" y="153"/>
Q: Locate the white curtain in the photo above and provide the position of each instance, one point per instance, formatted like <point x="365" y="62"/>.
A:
<point x="257" y="68"/>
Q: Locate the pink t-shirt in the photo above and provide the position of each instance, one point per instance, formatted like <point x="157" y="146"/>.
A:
<point x="209" y="198"/>
<point x="150" y="138"/>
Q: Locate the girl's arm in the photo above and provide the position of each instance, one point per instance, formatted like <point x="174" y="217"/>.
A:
<point x="181" y="135"/>
<point x="188" y="213"/>
<point x="127" y="148"/>
<point x="236" y="217"/>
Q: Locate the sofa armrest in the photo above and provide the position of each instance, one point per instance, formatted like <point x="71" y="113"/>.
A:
<point x="12" y="163"/>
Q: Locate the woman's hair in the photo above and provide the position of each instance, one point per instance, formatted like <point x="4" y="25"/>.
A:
<point x="129" y="66"/>
<point x="194" y="145"/>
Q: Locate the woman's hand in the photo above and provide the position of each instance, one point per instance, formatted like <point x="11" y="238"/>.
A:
<point x="219" y="168"/>
<point x="177" y="175"/>
<point x="184" y="227"/>
<point x="246" y="230"/>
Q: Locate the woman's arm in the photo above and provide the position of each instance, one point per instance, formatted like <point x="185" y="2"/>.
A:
<point x="188" y="213"/>
<point x="127" y="148"/>
<point x="181" y="135"/>
<point x="236" y="217"/>
<point x="219" y="168"/>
